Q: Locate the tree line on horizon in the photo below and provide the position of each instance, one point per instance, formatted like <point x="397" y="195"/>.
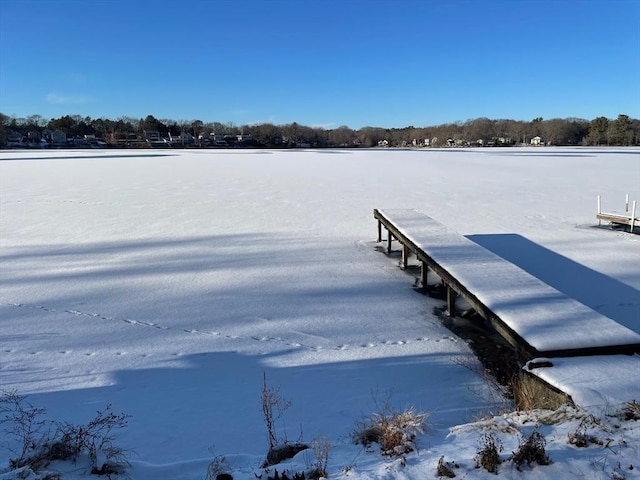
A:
<point x="601" y="131"/>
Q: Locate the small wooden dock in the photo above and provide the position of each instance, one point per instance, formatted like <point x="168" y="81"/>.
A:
<point x="627" y="219"/>
<point x="619" y="219"/>
<point x="536" y="319"/>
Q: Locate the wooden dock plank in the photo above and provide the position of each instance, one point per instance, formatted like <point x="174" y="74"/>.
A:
<point x="618" y="219"/>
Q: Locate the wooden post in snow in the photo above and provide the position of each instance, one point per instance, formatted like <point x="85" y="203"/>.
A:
<point x="451" y="301"/>
<point x="626" y="203"/>
<point x="633" y="216"/>
<point x="424" y="272"/>
<point x="599" y="212"/>
<point x="405" y="256"/>
<point x="389" y="239"/>
<point x="379" y="231"/>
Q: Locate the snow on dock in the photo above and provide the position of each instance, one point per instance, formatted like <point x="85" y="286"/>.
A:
<point x="534" y="317"/>
<point x="596" y="381"/>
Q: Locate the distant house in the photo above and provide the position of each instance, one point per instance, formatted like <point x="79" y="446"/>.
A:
<point x="217" y="140"/>
<point x="34" y="136"/>
<point x="14" y="139"/>
<point x="35" y="140"/>
<point x="182" y="139"/>
<point x="537" y="141"/>
<point x="152" y="136"/>
<point x="94" y="142"/>
<point x="419" y="142"/>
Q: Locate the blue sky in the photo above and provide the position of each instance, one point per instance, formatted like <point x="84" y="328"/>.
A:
<point x="386" y="63"/>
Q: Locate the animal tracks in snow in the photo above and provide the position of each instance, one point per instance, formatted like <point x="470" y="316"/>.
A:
<point x="257" y="338"/>
<point x="88" y="314"/>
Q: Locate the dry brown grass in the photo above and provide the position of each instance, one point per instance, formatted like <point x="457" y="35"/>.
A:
<point x="530" y="394"/>
<point x="631" y="410"/>
<point x="395" y="432"/>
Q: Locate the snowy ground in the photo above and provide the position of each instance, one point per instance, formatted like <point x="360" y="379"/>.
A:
<point x="167" y="283"/>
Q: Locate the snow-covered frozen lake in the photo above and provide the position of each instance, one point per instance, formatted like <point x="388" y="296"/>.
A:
<point x="167" y="283"/>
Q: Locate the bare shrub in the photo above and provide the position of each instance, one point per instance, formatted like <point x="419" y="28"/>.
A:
<point x="581" y="436"/>
<point x="488" y="457"/>
<point x="39" y="446"/>
<point x="321" y="448"/>
<point x="95" y="438"/>
<point x="273" y="407"/>
<point x="531" y="450"/>
<point x="217" y="467"/>
<point x="24" y="424"/>
<point x="395" y="432"/>
<point x="445" y="469"/>
<point x="493" y="391"/>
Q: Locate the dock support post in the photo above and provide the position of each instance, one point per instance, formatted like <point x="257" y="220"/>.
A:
<point x="379" y="231"/>
<point x="451" y="301"/>
<point x="405" y="256"/>
<point x="599" y="211"/>
<point x="424" y="271"/>
<point x="633" y="216"/>
<point x="389" y="239"/>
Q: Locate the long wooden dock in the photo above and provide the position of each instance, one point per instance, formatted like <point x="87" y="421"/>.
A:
<point x="536" y="319"/>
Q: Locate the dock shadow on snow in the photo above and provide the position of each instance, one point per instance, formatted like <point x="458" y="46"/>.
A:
<point x="607" y="296"/>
